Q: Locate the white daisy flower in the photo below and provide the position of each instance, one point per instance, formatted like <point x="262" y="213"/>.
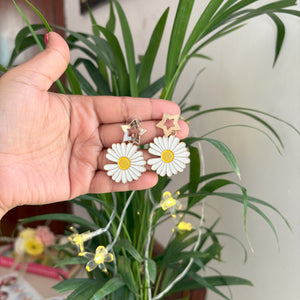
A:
<point x="128" y="162"/>
<point x="174" y="155"/>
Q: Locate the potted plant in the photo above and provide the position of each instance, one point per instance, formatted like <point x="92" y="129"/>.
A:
<point x="117" y="243"/>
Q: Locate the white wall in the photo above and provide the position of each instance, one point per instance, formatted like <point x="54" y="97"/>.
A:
<point x="242" y="75"/>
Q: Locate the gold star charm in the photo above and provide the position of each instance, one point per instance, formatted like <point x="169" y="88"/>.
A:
<point x="133" y="132"/>
<point x="172" y="129"/>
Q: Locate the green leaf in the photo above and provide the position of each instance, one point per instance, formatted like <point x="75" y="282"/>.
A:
<point x="3" y="69"/>
<point x="203" y="281"/>
<point x="111" y="23"/>
<point x="129" y="48"/>
<point x="61" y="217"/>
<point x="191" y="108"/>
<point x="22" y="42"/>
<point x="124" y="268"/>
<point x="280" y="35"/>
<point x="108" y="288"/>
<point x="73" y="81"/>
<point x="261" y="202"/>
<point x="40" y="16"/>
<point x="240" y="199"/>
<point x="194" y="169"/>
<point x="151" y="52"/>
<point x="72" y="261"/>
<point x="126" y="244"/>
<point x="226" y="152"/>
<point x="95" y="75"/>
<point x="85" y="291"/>
<point x="70" y="284"/>
<point x="84" y="84"/>
<point x="222" y="280"/>
<point x="227" y="280"/>
<point x="38" y="42"/>
<point x="101" y="47"/>
<point x="153" y="88"/>
<point x="152" y="270"/>
<point x="179" y="28"/>
<point x="121" y="70"/>
<point x="201" y="25"/>
<point x="246" y="126"/>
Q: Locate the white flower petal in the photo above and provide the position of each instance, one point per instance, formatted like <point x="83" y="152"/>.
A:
<point x="128" y="148"/>
<point x="156" y="147"/>
<point x="178" y="165"/>
<point x="119" y="177"/>
<point x="158" y="141"/>
<point x="112" y="172"/>
<point x="119" y="150"/>
<point x="173" y="168"/>
<point x="124" y="177"/>
<point x="124" y="149"/>
<point x="136" y="155"/>
<point x="116" y="148"/>
<point x="109" y="167"/>
<point x="184" y="160"/>
<point x="168" y="167"/>
<point x="153" y="161"/>
<point x="180" y="146"/>
<point x="182" y="151"/>
<point x="131" y="150"/>
<point x="111" y="157"/>
<point x="173" y="142"/>
<point x="165" y="142"/>
<point x="162" y="169"/>
<point x="128" y="175"/>
<point x="154" y="151"/>
<point x="113" y="153"/>
<point x="134" y="174"/>
<point x="116" y="174"/>
<point x="139" y="168"/>
<point x="138" y="163"/>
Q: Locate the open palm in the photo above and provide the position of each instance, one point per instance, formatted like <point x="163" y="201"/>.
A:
<point x="53" y="146"/>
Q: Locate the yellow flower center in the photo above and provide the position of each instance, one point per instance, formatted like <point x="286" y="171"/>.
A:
<point x="33" y="246"/>
<point x="124" y="163"/>
<point x="167" y="156"/>
<point x="99" y="258"/>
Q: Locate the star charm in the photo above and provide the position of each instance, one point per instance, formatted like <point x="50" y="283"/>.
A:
<point x="172" y="129"/>
<point x="133" y="132"/>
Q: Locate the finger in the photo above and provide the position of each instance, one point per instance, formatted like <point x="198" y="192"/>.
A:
<point x="47" y="66"/>
<point x="110" y="109"/>
<point x="113" y="133"/>
<point x="101" y="183"/>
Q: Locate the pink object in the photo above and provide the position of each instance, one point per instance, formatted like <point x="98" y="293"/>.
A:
<point x="35" y="268"/>
<point x="45" y="235"/>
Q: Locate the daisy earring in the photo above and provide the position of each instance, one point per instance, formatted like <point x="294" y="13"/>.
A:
<point x="128" y="162"/>
<point x="173" y="155"/>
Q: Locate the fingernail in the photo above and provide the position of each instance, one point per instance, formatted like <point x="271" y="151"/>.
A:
<point x="46" y="38"/>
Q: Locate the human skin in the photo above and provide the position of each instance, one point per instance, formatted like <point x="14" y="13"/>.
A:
<point x="53" y="146"/>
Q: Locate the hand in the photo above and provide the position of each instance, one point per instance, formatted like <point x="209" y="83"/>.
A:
<point x="53" y="146"/>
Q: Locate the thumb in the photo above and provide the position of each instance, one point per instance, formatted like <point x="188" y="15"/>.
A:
<point x="47" y="66"/>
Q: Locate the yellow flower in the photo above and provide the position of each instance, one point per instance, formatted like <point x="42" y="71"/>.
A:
<point x="33" y="246"/>
<point x="184" y="226"/>
<point x="97" y="259"/>
<point x="169" y="203"/>
<point x="27" y="233"/>
<point x="79" y="239"/>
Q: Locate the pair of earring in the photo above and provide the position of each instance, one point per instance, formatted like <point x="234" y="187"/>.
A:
<point x="129" y="164"/>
